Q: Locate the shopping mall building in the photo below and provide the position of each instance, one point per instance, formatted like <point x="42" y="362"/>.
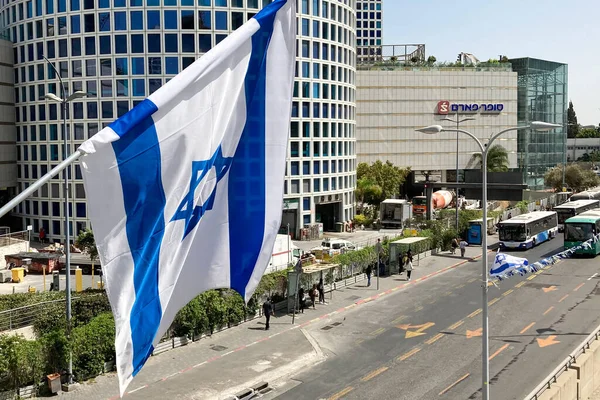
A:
<point x="394" y="99"/>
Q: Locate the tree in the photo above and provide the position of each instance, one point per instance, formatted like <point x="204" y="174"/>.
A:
<point x="573" y="127"/>
<point x="367" y="191"/>
<point x="497" y="159"/>
<point x="575" y="177"/>
<point x="588" y="133"/>
<point x="86" y="242"/>
<point x="384" y="175"/>
<point x="431" y="60"/>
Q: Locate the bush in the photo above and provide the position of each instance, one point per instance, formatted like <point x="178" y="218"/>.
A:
<point x="360" y="219"/>
<point x="83" y="310"/>
<point x="56" y="351"/>
<point x="10" y="301"/>
<point x="21" y="362"/>
<point x="215" y="308"/>
<point x="191" y="319"/>
<point x="93" y="345"/>
<point x="236" y="309"/>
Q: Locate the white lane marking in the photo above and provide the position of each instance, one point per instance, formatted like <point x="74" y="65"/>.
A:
<point x="593" y="276"/>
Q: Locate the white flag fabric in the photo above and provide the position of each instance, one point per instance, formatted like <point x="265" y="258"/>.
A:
<point x="506" y="265"/>
<point x="185" y="191"/>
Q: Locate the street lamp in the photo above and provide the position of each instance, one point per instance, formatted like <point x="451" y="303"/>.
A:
<point x="458" y="122"/>
<point x="434" y="129"/>
<point x="64" y="100"/>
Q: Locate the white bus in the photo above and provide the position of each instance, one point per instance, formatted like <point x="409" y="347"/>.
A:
<point x="573" y="208"/>
<point x="527" y="230"/>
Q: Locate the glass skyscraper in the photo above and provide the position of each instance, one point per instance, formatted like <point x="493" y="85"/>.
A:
<point x="541" y="96"/>
<point x="369" y="29"/>
<point x="120" y="51"/>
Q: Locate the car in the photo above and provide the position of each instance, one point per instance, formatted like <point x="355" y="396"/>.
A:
<point x="336" y="246"/>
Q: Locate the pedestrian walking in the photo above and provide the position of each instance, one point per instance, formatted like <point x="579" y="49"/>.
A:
<point x="463" y="247"/>
<point x="454" y="245"/>
<point x="368" y="272"/>
<point x="42" y="234"/>
<point x="302" y="299"/>
<point x="409" y="264"/>
<point x="401" y="263"/>
<point x="268" y="311"/>
<point x="321" y="289"/>
<point x="313" y="295"/>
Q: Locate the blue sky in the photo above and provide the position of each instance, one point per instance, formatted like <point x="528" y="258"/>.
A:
<point x="562" y="31"/>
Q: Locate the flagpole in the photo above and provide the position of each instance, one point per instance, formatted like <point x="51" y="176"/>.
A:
<point x="37" y="184"/>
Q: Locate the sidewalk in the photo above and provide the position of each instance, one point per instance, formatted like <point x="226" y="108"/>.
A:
<point x="234" y="359"/>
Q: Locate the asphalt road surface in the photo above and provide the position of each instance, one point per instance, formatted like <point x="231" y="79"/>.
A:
<point x="425" y="342"/>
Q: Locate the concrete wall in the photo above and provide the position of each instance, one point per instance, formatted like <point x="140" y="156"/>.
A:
<point x="8" y="133"/>
<point x="392" y="104"/>
<point x="17" y="247"/>
<point x="580" y="380"/>
<point x="578" y="147"/>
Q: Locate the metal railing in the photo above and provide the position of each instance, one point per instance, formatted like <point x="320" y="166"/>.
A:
<point x="564" y="366"/>
<point x="21" y="317"/>
<point x="13" y="238"/>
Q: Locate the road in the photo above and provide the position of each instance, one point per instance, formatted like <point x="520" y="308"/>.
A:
<point x="425" y="343"/>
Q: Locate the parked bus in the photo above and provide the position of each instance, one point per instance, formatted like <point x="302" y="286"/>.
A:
<point x="582" y="228"/>
<point x="573" y="208"/>
<point x="527" y="230"/>
<point x="591" y="194"/>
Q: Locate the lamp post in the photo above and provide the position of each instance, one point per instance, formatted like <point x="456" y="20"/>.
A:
<point x="458" y="122"/>
<point x="434" y="129"/>
<point x="64" y="100"/>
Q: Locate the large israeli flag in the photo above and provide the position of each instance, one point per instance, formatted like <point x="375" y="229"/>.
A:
<point x="506" y="265"/>
<point x="185" y="191"/>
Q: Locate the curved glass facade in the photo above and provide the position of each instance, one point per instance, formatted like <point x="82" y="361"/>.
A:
<point x="120" y="51"/>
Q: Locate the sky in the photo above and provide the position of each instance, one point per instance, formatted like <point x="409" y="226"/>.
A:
<point x="561" y="31"/>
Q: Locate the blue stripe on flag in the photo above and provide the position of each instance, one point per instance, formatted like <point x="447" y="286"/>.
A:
<point x="247" y="184"/>
<point x="138" y="156"/>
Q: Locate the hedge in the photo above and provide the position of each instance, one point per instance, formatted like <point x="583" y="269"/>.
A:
<point x="11" y="301"/>
<point x="83" y="309"/>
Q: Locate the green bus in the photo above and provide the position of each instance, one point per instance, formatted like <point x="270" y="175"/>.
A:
<point x="582" y="228"/>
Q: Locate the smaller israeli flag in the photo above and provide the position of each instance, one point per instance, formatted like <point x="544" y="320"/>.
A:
<point x="506" y="265"/>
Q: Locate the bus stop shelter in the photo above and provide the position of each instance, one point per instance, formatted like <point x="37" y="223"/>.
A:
<point x="416" y="245"/>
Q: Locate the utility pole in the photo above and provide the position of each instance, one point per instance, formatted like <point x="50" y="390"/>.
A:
<point x="458" y="121"/>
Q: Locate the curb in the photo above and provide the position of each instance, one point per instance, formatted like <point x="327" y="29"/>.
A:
<point x="316" y="319"/>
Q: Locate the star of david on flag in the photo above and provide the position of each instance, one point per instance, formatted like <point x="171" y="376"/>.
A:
<point x="185" y="191"/>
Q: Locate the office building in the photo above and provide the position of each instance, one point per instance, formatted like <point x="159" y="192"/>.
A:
<point x="542" y="96"/>
<point x="369" y="28"/>
<point x="8" y="150"/>
<point x="120" y="51"/>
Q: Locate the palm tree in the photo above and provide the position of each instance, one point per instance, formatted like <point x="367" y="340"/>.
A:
<point x="497" y="159"/>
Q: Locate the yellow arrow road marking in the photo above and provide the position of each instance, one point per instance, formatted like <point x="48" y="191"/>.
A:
<point x="549" y="289"/>
<point x="419" y="329"/>
<point x="475" y="333"/>
<point x="549" y="341"/>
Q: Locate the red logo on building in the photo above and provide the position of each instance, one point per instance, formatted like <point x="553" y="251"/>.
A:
<point x="443" y="107"/>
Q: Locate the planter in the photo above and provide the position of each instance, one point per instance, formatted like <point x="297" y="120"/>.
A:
<point x="54" y="383"/>
<point x="28" y="392"/>
<point x="109" y="366"/>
